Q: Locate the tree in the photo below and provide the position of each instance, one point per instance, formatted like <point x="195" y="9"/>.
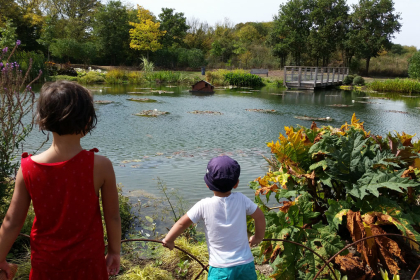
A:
<point x="77" y="14"/>
<point x="414" y="67"/>
<point x="146" y="34"/>
<point x="175" y="25"/>
<point x="329" y="18"/>
<point x="111" y="31"/>
<point x="291" y="29"/>
<point x="7" y="35"/>
<point x="374" y="23"/>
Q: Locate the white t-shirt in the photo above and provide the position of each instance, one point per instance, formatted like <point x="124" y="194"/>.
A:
<point x="225" y="228"/>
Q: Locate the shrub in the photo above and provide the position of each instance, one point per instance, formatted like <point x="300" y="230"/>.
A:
<point x="348" y="80"/>
<point x="135" y="77"/>
<point x="333" y="184"/>
<point x="115" y="77"/>
<point x="243" y="79"/>
<point x="358" y="81"/>
<point x="414" y="66"/>
<point x="92" y="77"/>
<point x="217" y="77"/>
<point x="63" y="77"/>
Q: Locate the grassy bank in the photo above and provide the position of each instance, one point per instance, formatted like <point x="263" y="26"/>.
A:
<point x="117" y="76"/>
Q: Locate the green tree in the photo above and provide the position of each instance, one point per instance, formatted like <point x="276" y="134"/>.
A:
<point x="175" y="25"/>
<point x="111" y="30"/>
<point x="329" y="18"/>
<point x="146" y="34"/>
<point x="77" y="14"/>
<point x="291" y="29"/>
<point x="7" y="35"/>
<point x="414" y="67"/>
<point x="374" y="23"/>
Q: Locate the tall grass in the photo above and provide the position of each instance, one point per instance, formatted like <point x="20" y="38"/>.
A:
<point x="166" y="77"/>
<point x="217" y="77"/>
<point x="116" y="76"/>
<point x="396" y="85"/>
<point x="244" y="79"/>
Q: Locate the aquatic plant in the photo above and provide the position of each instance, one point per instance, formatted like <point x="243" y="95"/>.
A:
<point x="348" y="80"/>
<point x="92" y="77"/>
<point x="243" y="79"/>
<point x="332" y="184"/>
<point x="115" y="76"/>
<point x="396" y="85"/>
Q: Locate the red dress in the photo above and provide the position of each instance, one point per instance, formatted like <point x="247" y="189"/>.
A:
<point x="67" y="235"/>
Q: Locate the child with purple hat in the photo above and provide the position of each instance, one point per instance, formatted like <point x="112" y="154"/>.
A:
<point x="224" y="217"/>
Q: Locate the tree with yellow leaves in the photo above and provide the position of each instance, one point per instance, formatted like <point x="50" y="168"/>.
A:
<point x="146" y="34"/>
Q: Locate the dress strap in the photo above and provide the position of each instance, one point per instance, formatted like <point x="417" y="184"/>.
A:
<point x="25" y="155"/>
<point x="94" y="150"/>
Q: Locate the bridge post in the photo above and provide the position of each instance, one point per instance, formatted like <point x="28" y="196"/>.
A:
<point x="333" y="76"/>
<point x="285" y="75"/>
<point x="328" y="75"/>
<point x="322" y="76"/>
<point x="344" y="70"/>
<point x="293" y="72"/>
<point x="300" y="76"/>
<point x="316" y="76"/>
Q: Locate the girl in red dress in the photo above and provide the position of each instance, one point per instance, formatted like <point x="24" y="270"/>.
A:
<point x="63" y="184"/>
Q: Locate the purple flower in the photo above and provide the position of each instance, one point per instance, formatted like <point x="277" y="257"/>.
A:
<point x="18" y="42"/>
<point x="1" y="64"/>
<point x="5" y="49"/>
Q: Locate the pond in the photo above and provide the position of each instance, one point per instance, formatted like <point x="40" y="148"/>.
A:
<point x="176" y="147"/>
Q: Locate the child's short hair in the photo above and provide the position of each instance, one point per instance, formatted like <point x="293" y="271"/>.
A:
<point x="65" y="108"/>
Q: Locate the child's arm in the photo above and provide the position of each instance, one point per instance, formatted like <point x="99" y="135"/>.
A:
<point x="179" y="227"/>
<point x="259" y="220"/>
<point x="14" y="219"/>
<point x="112" y="217"/>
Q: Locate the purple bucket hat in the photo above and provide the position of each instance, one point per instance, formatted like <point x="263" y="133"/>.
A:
<point x="222" y="174"/>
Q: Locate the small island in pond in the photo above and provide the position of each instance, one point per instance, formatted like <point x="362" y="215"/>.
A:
<point x="306" y="118"/>
<point x="151" y="113"/>
<point x="205" y="112"/>
<point x="103" y="102"/>
<point x="141" y="99"/>
<point x="261" y="110"/>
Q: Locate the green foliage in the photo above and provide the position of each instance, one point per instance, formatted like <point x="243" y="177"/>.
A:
<point x="147" y="66"/>
<point x="414" y="67"/>
<point x="8" y="35"/>
<point x="358" y="81"/>
<point x="115" y="76"/>
<point x="243" y="79"/>
<point x="373" y="24"/>
<point x="217" y="77"/>
<point x="348" y="80"/>
<point x="63" y="77"/>
<point x="318" y="175"/>
<point x="146" y="273"/>
<point x="396" y="85"/>
<point x="92" y="77"/>
<point x="175" y="25"/>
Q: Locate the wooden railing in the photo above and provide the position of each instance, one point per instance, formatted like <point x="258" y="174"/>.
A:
<point x="313" y="77"/>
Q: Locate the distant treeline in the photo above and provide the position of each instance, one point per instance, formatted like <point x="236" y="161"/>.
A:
<point x="304" y="32"/>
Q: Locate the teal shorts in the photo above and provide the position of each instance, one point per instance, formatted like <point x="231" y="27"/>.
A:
<point x="239" y="272"/>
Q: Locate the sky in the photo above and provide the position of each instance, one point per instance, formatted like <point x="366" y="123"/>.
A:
<point x="263" y="10"/>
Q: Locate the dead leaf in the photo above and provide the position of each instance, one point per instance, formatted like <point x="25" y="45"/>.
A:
<point x="353" y="266"/>
<point x="388" y="249"/>
<point x="286" y="206"/>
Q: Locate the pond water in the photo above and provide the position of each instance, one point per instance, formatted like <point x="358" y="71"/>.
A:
<point x="176" y="147"/>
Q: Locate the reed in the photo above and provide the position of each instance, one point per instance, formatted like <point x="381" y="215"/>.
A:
<point x="217" y="77"/>
<point x="396" y="85"/>
<point x="243" y="79"/>
<point x="116" y="76"/>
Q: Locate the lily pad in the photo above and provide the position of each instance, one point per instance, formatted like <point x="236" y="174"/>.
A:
<point x="280" y="94"/>
<point x="411" y="96"/>
<point x="144" y="88"/>
<point x="205" y="112"/>
<point x="151" y="113"/>
<point x="306" y="118"/>
<point x="261" y="110"/>
<point x="103" y="101"/>
<point x="137" y="92"/>
<point x="374" y="97"/>
<point x="245" y="91"/>
<point x="340" y="105"/>
<point x="142" y="99"/>
<point x="332" y="95"/>
<point x="367" y="102"/>
<point x="417" y="108"/>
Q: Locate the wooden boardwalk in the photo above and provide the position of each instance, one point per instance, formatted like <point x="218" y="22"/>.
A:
<point x="303" y="77"/>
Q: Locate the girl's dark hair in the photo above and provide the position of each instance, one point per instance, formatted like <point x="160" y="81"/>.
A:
<point x="65" y="108"/>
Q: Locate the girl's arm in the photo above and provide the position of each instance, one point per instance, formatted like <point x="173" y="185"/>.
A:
<point x="259" y="220"/>
<point x="14" y="219"/>
<point x="112" y="218"/>
<point x="178" y="228"/>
